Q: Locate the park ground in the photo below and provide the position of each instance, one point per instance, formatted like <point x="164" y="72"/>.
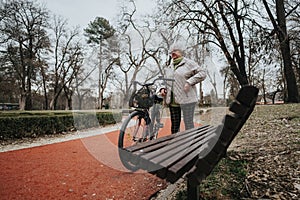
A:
<point x="262" y="163"/>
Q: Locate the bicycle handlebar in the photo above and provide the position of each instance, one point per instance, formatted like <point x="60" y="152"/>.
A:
<point x="152" y="83"/>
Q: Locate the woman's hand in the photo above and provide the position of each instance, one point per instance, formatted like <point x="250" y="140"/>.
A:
<point x="163" y="92"/>
<point x="187" y="87"/>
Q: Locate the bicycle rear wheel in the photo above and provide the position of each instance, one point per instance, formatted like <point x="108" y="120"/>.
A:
<point x="131" y="132"/>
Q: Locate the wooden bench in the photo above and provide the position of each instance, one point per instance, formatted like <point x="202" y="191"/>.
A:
<point x="194" y="153"/>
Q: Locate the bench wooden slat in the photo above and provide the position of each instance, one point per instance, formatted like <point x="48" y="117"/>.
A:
<point x="188" y="161"/>
<point x="231" y="122"/>
<point x="247" y="96"/>
<point x="226" y="135"/>
<point x="238" y="109"/>
<point x="156" y="150"/>
<point x="172" y="149"/>
<point x="160" y="142"/>
<point x="204" y="166"/>
<point x="167" y="157"/>
<point x="175" y="172"/>
<point x="151" y="164"/>
<point x="191" y="148"/>
<point x="187" y="158"/>
<point x="166" y="146"/>
<point x="143" y="145"/>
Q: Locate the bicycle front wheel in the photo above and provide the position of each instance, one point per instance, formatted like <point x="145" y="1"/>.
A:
<point x="132" y="131"/>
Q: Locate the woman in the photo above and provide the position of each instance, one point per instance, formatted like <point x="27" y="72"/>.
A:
<point x="181" y="96"/>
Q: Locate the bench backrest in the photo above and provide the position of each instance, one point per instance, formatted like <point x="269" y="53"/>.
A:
<point x="241" y="109"/>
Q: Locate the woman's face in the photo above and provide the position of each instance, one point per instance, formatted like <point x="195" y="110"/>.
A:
<point x="176" y="54"/>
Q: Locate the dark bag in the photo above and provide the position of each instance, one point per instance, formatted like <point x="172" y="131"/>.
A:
<point x="142" y="98"/>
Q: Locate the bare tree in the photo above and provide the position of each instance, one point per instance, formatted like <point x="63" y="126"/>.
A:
<point x="23" y="29"/>
<point x="224" y="23"/>
<point x="137" y="58"/>
<point x="281" y="31"/>
<point x="8" y="82"/>
<point x="44" y="80"/>
<point x="71" y="72"/>
<point x="294" y="20"/>
<point x="67" y="60"/>
<point x="79" y="92"/>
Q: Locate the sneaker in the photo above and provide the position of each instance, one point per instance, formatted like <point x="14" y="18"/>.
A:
<point x="135" y="139"/>
<point x="152" y="138"/>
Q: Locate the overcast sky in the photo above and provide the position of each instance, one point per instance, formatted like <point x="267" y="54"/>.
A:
<point x="82" y="12"/>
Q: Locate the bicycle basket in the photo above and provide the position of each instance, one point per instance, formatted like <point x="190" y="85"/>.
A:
<point x="141" y="99"/>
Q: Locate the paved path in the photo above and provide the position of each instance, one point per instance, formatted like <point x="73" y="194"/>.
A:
<point x="77" y="166"/>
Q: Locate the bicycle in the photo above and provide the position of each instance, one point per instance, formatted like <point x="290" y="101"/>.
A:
<point x="138" y="126"/>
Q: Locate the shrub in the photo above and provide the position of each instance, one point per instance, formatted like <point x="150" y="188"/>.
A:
<point x="26" y="124"/>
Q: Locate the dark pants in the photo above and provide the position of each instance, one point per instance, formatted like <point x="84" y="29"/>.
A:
<point x="188" y="116"/>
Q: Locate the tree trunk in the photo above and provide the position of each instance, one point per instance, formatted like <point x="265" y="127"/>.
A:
<point x="28" y="101"/>
<point x="22" y="101"/>
<point x="100" y="100"/>
<point x="68" y="95"/>
<point x="53" y="103"/>
<point x="293" y="95"/>
<point x="45" y="89"/>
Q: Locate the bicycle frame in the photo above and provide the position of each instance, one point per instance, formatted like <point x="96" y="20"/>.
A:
<point x="132" y="126"/>
<point x="150" y="127"/>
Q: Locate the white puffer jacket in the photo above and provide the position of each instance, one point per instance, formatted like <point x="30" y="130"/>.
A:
<point x="187" y="71"/>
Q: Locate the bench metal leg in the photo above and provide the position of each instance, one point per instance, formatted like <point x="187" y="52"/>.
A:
<point x="192" y="191"/>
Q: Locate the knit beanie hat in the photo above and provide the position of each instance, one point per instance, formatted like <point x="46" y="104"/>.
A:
<point x="177" y="46"/>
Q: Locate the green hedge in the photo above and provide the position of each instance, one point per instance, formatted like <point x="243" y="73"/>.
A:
<point x="20" y="125"/>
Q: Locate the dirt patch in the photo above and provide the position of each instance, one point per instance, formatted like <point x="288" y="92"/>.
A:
<point x="270" y="143"/>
